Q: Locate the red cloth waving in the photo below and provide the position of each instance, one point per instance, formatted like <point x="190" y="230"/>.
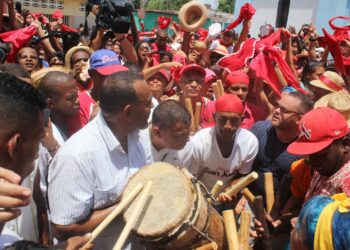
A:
<point x="248" y="49"/>
<point x="65" y="28"/>
<point x="340" y="32"/>
<point x="239" y="59"/>
<point x="263" y="66"/>
<point x="340" y="62"/>
<point x="163" y="22"/>
<point x="18" y="38"/>
<point x="246" y="13"/>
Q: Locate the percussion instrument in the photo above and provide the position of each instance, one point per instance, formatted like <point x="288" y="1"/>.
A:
<point x="176" y="216"/>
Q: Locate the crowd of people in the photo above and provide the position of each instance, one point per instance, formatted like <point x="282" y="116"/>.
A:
<point x="82" y="111"/>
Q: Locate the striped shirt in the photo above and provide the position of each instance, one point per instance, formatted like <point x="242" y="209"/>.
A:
<point x="90" y="172"/>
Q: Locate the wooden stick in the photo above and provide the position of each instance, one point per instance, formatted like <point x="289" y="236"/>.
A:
<point x="209" y="246"/>
<point x="134" y="216"/>
<point x="242" y="183"/>
<point x="216" y="90"/>
<point x="249" y="196"/>
<point x="215" y="190"/>
<point x="244" y="230"/>
<point x="188" y="103"/>
<point x="260" y="215"/>
<point x="230" y="229"/>
<point x="221" y="87"/>
<point x="197" y="115"/>
<point x="119" y="208"/>
<point x="269" y="192"/>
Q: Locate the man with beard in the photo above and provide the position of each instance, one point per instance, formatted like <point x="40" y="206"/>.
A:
<point x="226" y="151"/>
<point x="324" y="138"/>
<point x="274" y="137"/>
<point x="89" y="172"/>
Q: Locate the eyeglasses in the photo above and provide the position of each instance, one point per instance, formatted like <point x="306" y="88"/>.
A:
<point x="284" y="110"/>
<point x="145" y="48"/>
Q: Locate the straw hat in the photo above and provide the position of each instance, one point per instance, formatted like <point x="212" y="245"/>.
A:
<point x="71" y="52"/>
<point x="38" y="75"/>
<point x="221" y="50"/>
<point x="339" y="101"/>
<point x="330" y="81"/>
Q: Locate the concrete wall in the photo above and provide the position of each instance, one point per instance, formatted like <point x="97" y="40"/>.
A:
<point x="301" y="11"/>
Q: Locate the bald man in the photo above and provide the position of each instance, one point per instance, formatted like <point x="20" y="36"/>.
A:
<point x="62" y="99"/>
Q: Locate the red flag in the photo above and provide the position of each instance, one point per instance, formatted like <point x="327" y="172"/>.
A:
<point x="65" y="28"/>
<point x="335" y="52"/>
<point x="18" y="38"/>
<point x="262" y="64"/>
<point x="163" y="22"/>
<point x="246" y="13"/>
<point x="248" y="49"/>
<point x="340" y="32"/>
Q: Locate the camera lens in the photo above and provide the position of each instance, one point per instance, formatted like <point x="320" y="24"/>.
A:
<point x="2" y="55"/>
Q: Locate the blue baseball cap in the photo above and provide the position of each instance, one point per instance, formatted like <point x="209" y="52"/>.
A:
<point x="106" y="62"/>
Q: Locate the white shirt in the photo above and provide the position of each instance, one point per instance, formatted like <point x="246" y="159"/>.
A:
<point x="45" y="158"/>
<point x="25" y="225"/>
<point x="181" y="158"/>
<point x="89" y="172"/>
<point x="213" y="166"/>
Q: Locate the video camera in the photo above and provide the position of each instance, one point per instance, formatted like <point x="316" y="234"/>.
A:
<point x="113" y="14"/>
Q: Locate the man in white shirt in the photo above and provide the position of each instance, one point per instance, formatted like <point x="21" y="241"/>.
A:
<point x="168" y="135"/>
<point x="226" y="151"/>
<point x="89" y="172"/>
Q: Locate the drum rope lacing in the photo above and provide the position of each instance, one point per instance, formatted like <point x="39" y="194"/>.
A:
<point x="201" y="234"/>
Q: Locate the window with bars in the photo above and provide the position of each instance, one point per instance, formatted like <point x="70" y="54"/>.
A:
<point x="45" y="4"/>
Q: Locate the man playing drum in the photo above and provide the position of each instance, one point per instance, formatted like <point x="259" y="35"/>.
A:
<point x="168" y="135"/>
<point x="226" y="151"/>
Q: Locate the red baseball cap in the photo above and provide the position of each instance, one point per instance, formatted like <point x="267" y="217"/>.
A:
<point x="229" y="103"/>
<point x="317" y="130"/>
<point x="194" y="67"/>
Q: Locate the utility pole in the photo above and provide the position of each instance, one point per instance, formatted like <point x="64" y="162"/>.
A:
<point x="282" y="13"/>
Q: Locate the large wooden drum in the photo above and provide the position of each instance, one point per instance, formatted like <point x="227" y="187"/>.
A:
<point x="176" y="215"/>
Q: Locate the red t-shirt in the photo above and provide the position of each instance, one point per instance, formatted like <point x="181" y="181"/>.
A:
<point x="83" y="117"/>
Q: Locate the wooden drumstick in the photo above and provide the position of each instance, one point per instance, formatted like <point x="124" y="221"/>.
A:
<point x="221" y="87"/>
<point x="242" y="183"/>
<point x="260" y="215"/>
<point x="230" y="229"/>
<point x="216" y="189"/>
<point x="249" y="196"/>
<point x="197" y="115"/>
<point x="244" y="230"/>
<point x="188" y="103"/>
<point x="216" y="90"/>
<point x="269" y="192"/>
<point x="119" y="208"/>
<point x="134" y="216"/>
<point x="209" y="246"/>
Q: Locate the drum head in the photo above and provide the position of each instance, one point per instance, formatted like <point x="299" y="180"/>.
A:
<point x="170" y="203"/>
